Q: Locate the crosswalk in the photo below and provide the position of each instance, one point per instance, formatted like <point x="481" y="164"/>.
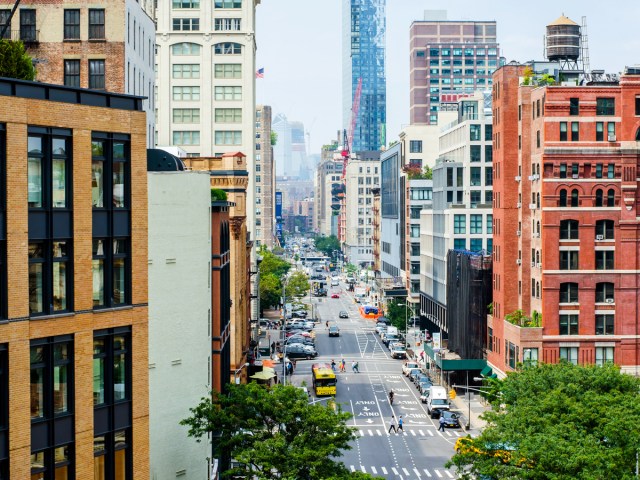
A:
<point x="413" y="432"/>
<point x="404" y="472"/>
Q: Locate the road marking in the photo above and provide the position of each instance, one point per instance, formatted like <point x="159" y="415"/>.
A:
<point x="413" y="432"/>
<point x="430" y="433"/>
<point x="395" y="472"/>
<point x="417" y="472"/>
<point x="406" y="472"/>
<point x="421" y="432"/>
<point x="427" y="472"/>
<point x="449" y="474"/>
<point x="438" y="473"/>
<point x="364" y="470"/>
<point x="362" y="433"/>
<point x="384" y="470"/>
<point x="379" y="433"/>
<point x="373" y="469"/>
<point x="353" y="469"/>
<point x="371" y="433"/>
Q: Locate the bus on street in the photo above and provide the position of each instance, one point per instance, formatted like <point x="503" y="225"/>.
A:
<point x="324" y="379"/>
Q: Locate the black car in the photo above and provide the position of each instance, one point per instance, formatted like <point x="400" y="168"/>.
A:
<point x="298" y="350"/>
<point x="343" y="314"/>
<point x="334" y="331"/>
<point x="419" y="378"/>
<point x="300" y="314"/>
<point x="300" y="341"/>
<point x="451" y="419"/>
<point x="413" y="373"/>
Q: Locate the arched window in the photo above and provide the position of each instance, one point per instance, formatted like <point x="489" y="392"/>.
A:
<point x="598" y="198"/>
<point x="537" y="289"/>
<point x="538" y="228"/>
<point x="574" y="197"/>
<point x="538" y="200"/>
<point x="569" y="292"/>
<point x="611" y="197"/>
<point x="185" y="49"/>
<point x="563" y="198"/>
<point x="538" y="257"/>
<point x="638" y="135"/>
<point x="569" y="230"/>
<point x="227" y="48"/>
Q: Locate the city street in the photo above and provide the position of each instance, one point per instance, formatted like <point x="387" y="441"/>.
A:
<point x="421" y="451"/>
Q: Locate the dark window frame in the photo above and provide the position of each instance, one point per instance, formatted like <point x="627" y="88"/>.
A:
<point x="97" y="24"/>
<point x="606" y="228"/>
<point x="605" y="323"/>
<point x="72" y="75"/>
<point x="606" y="106"/>
<point x="604" y="291"/>
<point x="563" y="131"/>
<point x="4" y="16"/>
<point x="71" y="24"/>
<point x="569" y="324"/>
<point x="569" y="259"/>
<point x="605" y="259"/>
<point x="569" y="292"/>
<point x="575" y="131"/>
<point x="569" y="229"/>
<point x="48" y="260"/>
<point x="97" y="73"/>
<point x="562" y="201"/>
<point x="574" y="106"/>
<point x="28" y="23"/>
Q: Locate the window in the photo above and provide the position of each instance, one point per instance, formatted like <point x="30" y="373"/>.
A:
<point x="72" y="73"/>
<point x="604" y="324"/>
<point x="228" y="4"/>
<point x="604" y="355"/>
<point x="488" y="196"/>
<point x="530" y="356"/>
<point x="460" y="224"/>
<point x="568" y="324"/>
<point x="611" y="131"/>
<point x="599" y="131"/>
<point x="228" y="70"/>
<point x="96" y="74"/>
<point x="605" y="260"/>
<point x="112" y="404"/>
<point x="538" y="142"/>
<point x="460" y="244"/>
<point x="227" y="48"/>
<point x="4" y="19"/>
<point x="185" y="49"/>
<point x="604" y="292"/>
<point x="96" y="24"/>
<point x="186" y="24"/>
<point x="227" y="24"/>
<point x="569" y="354"/>
<point x="186" y="137"/>
<point x="186" y="3"/>
<point x="598" y="170"/>
<point x="598" y="200"/>
<point x="449" y="177"/>
<point x="569" y="230"/>
<point x="229" y="115"/>
<point x="72" y="24"/>
<point x="604" y="229"/>
<point x="476" y="176"/>
<point x="611" y="171"/>
<point x="186" y="94"/>
<point x="49" y="277"/>
<point x="229" y="137"/>
<point x="476" y="245"/>
<point x="563" y="170"/>
<point x="574" y="198"/>
<point x="568" y="292"/>
<point x="488" y="176"/>
<point x="611" y="197"/>
<point x="568" y="259"/>
<point x="48" y="169"/>
<point x="476" y="153"/>
<point x="574" y="106"/>
<point x="605" y="106"/>
<point x="474" y="132"/>
<point x="563" y="198"/>
<point x="28" y="32"/>
<point x="185" y="70"/>
<point x="475" y="223"/>
<point x="415" y="146"/>
<point x="475" y="197"/>
<point x="228" y="93"/>
<point x="563" y="131"/>
<point x="186" y="115"/>
<point x="637" y="100"/>
<point x="488" y="153"/>
<point x="575" y="131"/>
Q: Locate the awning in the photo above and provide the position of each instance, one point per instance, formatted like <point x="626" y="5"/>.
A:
<point x="267" y="363"/>
<point x="486" y="372"/>
<point x="267" y="373"/>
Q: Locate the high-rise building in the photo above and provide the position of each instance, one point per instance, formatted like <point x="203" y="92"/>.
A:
<point x="265" y="178"/>
<point x="290" y="150"/>
<point x="105" y="45"/>
<point x="566" y="205"/>
<point x="363" y="60"/>
<point x="327" y="181"/>
<point x="449" y="58"/>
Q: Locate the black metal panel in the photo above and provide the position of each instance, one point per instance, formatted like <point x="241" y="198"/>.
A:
<point x="121" y="415"/>
<point x="62" y="224"/>
<point x="5" y="88"/>
<point x="39" y="436"/>
<point x="63" y="430"/>
<point x="93" y="99"/>
<point x="60" y="95"/>
<point x="31" y="91"/>
<point x="38" y="225"/>
<point x="121" y="223"/>
<point x="3" y="233"/>
<point x="100" y="224"/>
<point x="101" y="420"/>
<point x="4" y="445"/>
<point x="123" y="103"/>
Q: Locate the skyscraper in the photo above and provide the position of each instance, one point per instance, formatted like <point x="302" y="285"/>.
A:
<point x="363" y="58"/>
<point x="449" y="58"/>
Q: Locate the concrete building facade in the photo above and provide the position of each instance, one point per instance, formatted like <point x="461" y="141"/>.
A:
<point x="265" y="179"/>
<point x="328" y="176"/>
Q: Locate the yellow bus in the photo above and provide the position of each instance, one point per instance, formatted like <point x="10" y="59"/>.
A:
<point x="324" y="379"/>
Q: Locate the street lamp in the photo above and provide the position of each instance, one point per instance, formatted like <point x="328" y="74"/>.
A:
<point x="406" y="318"/>
<point x="235" y="374"/>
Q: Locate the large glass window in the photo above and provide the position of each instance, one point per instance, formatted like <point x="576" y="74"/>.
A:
<point x="186" y="94"/>
<point x="475" y="244"/>
<point x="186" y="115"/>
<point x="228" y="3"/>
<point x="228" y="137"/>
<point x="186" y="137"/>
<point x="28" y="32"/>
<point x="459" y="224"/>
<point x="185" y="70"/>
<point x="605" y="106"/>
<point x="604" y="292"/>
<point x="4" y="19"/>
<point x="186" y="4"/>
<point x="460" y="244"/>
<point x="568" y="324"/>
<point x="185" y="49"/>
<point x="228" y="93"/>
<point x="574" y="106"/>
<point x="72" y="73"/>
<point x="476" y="176"/>
<point x="475" y="132"/>
<point x="228" y="48"/>
<point x="228" y="115"/>
<point x="475" y="152"/>
<point x="605" y="324"/>
<point x="568" y="292"/>
<point x="530" y="356"/>
<point x="415" y="146"/>
<point x="569" y="230"/>
<point x="488" y="153"/>
<point x="490" y="224"/>
<point x="110" y="273"/>
<point x="186" y="24"/>
<point x="568" y="259"/>
<point x="96" y="24"/>
<point x="227" y="24"/>
<point x="569" y="354"/>
<point x="228" y="70"/>
<point x="563" y="131"/>
<point x="604" y="230"/>
<point x="97" y="74"/>
<point x="72" y="24"/>
<point x="49" y="277"/>
<point x="476" y="223"/>
<point x="604" y="355"/>
<point x="605" y="260"/>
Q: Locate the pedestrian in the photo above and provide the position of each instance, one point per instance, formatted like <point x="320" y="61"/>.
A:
<point x="392" y="424"/>
<point x="400" y="422"/>
<point x="295" y="364"/>
<point x="343" y="366"/>
<point x="333" y="365"/>
<point x="327" y="325"/>
<point x="441" y="427"/>
<point x="273" y="348"/>
<point x="354" y="366"/>
<point x="357" y="367"/>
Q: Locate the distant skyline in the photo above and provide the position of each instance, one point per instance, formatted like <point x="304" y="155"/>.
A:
<point x="299" y="47"/>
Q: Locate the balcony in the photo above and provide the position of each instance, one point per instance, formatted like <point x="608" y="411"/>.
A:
<point x="27" y="36"/>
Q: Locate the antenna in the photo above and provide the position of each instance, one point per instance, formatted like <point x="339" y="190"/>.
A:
<point x="585" y="46"/>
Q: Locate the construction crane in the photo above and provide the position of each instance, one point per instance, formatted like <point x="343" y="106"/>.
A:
<point x="348" y="140"/>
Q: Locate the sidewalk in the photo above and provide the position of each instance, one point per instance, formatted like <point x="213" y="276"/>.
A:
<point x="461" y="405"/>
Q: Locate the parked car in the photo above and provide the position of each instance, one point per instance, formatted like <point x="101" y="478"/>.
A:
<point x="381" y="328"/>
<point x="451" y="419"/>
<point x="300" y="351"/>
<point x="335" y="295"/>
<point x="309" y="324"/>
<point x="301" y="341"/>
<point x="398" y="351"/>
<point x="299" y="314"/>
<point x="413" y="372"/>
<point x="424" y="385"/>
<point x="389" y="337"/>
<point x="335" y="282"/>
<point x="407" y="366"/>
<point x="334" y="331"/>
<point x="343" y="314"/>
<point x="419" y="378"/>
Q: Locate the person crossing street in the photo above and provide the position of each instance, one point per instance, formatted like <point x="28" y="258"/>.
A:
<point x="392" y="424"/>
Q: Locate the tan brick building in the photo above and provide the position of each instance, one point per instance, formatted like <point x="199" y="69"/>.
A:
<point x="73" y="284"/>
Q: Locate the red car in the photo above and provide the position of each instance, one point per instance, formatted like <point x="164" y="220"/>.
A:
<point x="335" y="295"/>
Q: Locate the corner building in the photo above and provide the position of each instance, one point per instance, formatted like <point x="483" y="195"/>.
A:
<point x="73" y="340"/>
<point x="566" y="223"/>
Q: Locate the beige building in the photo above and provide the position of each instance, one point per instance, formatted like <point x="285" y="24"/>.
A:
<point x="265" y="179"/>
<point x="328" y="175"/>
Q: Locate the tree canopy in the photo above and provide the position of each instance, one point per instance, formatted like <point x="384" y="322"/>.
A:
<point x="557" y="422"/>
<point x="274" y="433"/>
<point x="396" y="314"/>
<point x="271" y="263"/>
<point x="15" y="62"/>
<point x="272" y="270"/>
<point x="297" y="285"/>
<point x="327" y="245"/>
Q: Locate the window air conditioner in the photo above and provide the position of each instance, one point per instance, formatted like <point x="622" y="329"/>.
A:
<point x="518" y="233"/>
<point x="518" y="261"/>
<point x="611" y="138"/>
<point x="518" y="205"/>
<point x="532" y="206"/>
<point x="575" y="175"/>
<point x="518" y="178"/>
<point x="608" y="300"/>
<point x="539" y="265"/>
<point x="599" y="237"/>
<point x="533" y="264"/>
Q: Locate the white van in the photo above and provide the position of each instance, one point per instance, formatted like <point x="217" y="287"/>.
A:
<point x="392" y="330"/>
<point x="437" y="400"/>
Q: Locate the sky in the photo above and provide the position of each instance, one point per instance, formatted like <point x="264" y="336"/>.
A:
<point x="299" y="46"/>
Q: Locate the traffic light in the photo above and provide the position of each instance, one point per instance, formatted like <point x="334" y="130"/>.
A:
<point x="452" y="394"/>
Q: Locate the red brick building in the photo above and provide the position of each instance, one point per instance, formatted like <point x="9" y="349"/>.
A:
<point x="566" y="221"/>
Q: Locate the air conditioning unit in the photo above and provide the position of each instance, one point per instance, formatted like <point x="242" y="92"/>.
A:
<point x="539" y="265"/>
<point x="536" y="235"/>
<point x="518" y="178"/>
<point x="518" y="261"/>
<point x="599" y="238"/>
<point x="611" y="138"/>
<point x="536" y="176"/>
<point x="575" y="175"/>
<point x="518" y="233"/>
<point x="533" y="264"/>
<point x="532" y="206"/>
<point x="531" y="177"/>
<point x="608" y="300"/>
<point x="518" y="205"/>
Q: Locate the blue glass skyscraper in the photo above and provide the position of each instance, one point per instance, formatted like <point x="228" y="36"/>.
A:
<point x="363" y="57"/>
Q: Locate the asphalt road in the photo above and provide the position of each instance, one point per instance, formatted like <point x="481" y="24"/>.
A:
<point x="419" y="452"/>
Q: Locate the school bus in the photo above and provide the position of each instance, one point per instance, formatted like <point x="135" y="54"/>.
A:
<point x="324" y="379"/>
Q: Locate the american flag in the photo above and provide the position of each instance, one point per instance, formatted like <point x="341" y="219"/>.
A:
<point x="260" y="73"/>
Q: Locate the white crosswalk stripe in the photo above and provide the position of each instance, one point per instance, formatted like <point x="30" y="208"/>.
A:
<point x="427" y="472"/>
<point x="395" y="471"/>
<point x="371" y="433"/>
<point x="438" y="473"/>
<point x="413" y="432"/>
<point x="384" y="470"/>
<point x="421" y="433"/>
<point x="409" y="432"/>
<point x="417" y="472"/>
<point x="374" y="471"/>
<point x="449" y="474"/>
<point x="353" y="469"/>
<point x="406" y="472"/>
<point x="379" y="433"/>
<point x="364" y="470"/>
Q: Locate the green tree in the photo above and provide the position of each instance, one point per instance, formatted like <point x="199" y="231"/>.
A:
<point x="557" y="422"/>
<point x="270" y="291"/>
<point x="272" y="263"/>
<point x="396" y="312"/>
<point x="274" y="137"/>
<point x="327" y="245"/>
<point x="297" y="285"/>
<point x="275" y="433"/>
<point x="15" y="62"/>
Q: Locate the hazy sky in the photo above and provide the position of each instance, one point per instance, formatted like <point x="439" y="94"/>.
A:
<point x="299" y="46"/>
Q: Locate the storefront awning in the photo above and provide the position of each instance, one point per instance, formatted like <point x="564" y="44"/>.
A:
<point x="267" y="373"/>
<point x="486" y="371"/>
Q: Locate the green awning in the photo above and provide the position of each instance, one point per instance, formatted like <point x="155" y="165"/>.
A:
<point x="267" y="373"/>
<point x="493" y="375"/>
<point x="486" y="371"/>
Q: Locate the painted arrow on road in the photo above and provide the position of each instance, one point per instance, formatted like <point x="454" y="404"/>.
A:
<point x="365" y="409"/>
